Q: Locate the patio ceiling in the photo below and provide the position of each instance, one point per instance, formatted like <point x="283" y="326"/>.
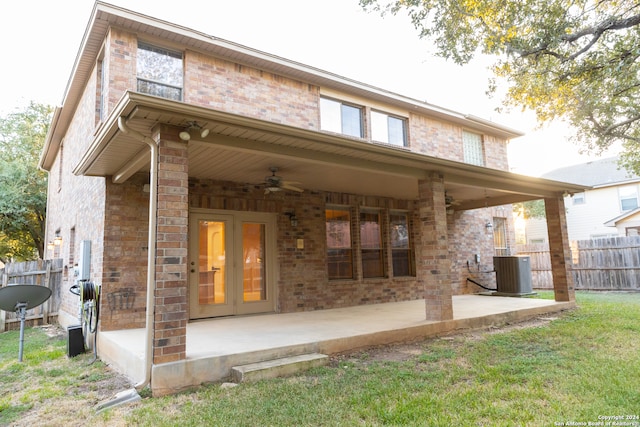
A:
<point x="242" y="149"/>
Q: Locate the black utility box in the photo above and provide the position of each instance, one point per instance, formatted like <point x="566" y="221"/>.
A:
<point x="75" y="345"/>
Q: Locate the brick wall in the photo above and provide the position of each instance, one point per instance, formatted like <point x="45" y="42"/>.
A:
<point x="227" y="86"/>
<point x="560" y="250"/>
<point x="469" y="236"/>
<point x="125" y="255"/>
<point x="171" y="312"/>
<point x="75" y="204"/>
<point x="87" y="204"/>
<point x="435" y="138"/>
<point x="303" y="284"/>
<point x="432" y="255"/>
<point x="234" y="88"/>
<point x="120" y="64"/>
<point x="495" y="153"/>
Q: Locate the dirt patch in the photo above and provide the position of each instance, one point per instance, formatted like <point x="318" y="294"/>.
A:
<point x="65" y="391"/>
<point x="400" y="352"/>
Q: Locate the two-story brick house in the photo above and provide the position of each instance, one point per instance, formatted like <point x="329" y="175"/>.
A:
<point x="212" y="179"/>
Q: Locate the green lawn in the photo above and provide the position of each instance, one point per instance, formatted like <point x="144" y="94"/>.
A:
<point x="578" y="368"/>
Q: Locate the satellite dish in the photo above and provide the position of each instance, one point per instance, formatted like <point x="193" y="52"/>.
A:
<point x="20" y="298"/>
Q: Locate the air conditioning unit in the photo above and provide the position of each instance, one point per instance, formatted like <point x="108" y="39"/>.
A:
<point x="513" y="275"/>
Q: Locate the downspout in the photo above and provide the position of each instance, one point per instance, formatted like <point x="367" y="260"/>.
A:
<point x="151" y="259"/>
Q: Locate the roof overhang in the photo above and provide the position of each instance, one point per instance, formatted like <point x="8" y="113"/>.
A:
<point x="622" y="218"/>
<point x="241" y="149"/>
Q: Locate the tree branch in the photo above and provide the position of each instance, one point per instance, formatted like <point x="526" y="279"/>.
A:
<point x="596" y="31"/>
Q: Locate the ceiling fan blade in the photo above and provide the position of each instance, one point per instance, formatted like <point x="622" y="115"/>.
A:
<point x="287" y="186"/>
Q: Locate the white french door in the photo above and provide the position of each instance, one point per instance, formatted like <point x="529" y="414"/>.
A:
<point x="232" y="263"/>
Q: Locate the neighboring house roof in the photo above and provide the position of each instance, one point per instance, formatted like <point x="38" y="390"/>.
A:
<point x="621" y="218"/>
<point x="598" y="173"/>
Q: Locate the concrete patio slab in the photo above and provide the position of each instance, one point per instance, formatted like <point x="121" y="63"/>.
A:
<point x="214" y="346"/>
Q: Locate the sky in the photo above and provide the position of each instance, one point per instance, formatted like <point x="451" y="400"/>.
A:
<point x="333" y="35"/>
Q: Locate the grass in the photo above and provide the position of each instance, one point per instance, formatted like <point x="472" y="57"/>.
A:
<point x="48" y="388"/>
<point x="576" y="368"/>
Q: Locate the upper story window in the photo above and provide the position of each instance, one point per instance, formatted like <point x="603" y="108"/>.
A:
<point x="472" y="148"/>
<point x="336" y="116"/>
<point x="579" y="199"/>
<point x="159" y="72"/>
<point x="628" y="197"/>
<point x="388" y="129"/>
<point x="100" y="91"/>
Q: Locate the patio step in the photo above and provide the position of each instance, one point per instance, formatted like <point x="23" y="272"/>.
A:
<point x="277" y="367"/>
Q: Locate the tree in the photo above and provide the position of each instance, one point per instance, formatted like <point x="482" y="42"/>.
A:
<point x="530" y="209"/>
<point x="23" y="186"/>
<point x="571" y="60"/>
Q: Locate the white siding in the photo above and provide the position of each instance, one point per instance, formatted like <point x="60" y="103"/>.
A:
<point x="585" y="221"/>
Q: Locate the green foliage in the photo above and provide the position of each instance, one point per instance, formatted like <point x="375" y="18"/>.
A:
<point x="530" y="209"/>
<point x="572" y="60"/>
<point x="23" y="186"/>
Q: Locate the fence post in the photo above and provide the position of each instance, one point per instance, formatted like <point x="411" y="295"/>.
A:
<point x="47" y="307"/>
<point x="3" y="314"/>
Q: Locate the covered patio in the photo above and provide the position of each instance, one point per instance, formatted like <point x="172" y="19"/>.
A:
<point x="214" y="346"/>
<point x="141" y="141"/>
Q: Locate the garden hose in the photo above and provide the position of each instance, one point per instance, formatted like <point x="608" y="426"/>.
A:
<point x="89" y="292"/>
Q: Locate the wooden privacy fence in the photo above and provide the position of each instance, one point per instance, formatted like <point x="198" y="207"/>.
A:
<point x="610" y="264"/>
<point x="41" y="272"/>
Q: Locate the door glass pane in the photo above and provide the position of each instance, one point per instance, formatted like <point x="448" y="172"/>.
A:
<point x="212" y="263"/>
<point x="253" y="275"/>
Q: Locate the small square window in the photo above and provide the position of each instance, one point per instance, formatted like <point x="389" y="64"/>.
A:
<point x="579" y="199"/>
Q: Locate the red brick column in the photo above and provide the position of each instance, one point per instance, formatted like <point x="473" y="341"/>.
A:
<point x="559" y="249"/>
<point x="432" y="261"/>
<point x="171" y="310"/>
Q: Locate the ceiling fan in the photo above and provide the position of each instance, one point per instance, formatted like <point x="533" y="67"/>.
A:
<point x="275" y="183"/>
<point x="450" y="201"/>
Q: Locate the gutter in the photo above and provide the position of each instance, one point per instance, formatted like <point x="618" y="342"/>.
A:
<point x="49" y="150"/>
<point x="151" y="259"/>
